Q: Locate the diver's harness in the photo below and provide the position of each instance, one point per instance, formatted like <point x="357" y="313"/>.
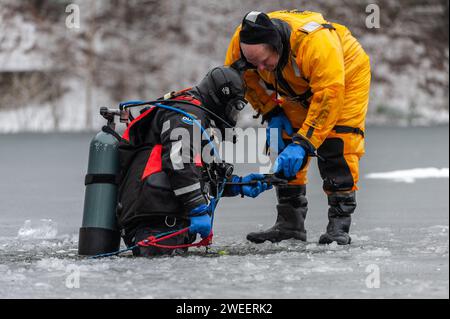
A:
<point x="217" y="173"/>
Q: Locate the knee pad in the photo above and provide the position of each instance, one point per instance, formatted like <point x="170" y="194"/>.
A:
<point x="334" y="169"/>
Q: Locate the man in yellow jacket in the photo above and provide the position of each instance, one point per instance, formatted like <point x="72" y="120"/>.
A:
<point x="310" y="80"/>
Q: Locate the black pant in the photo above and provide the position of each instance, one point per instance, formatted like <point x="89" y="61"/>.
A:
<point x="155" y="227"/>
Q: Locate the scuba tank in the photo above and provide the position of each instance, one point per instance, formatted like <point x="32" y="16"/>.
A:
<point x="99" y="233"/>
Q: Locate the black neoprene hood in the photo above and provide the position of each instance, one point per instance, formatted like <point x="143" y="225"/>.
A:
<point x="257" y="28"/>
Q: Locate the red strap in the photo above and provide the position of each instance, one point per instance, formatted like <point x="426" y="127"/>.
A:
<point x="203" y="243"/>
<point x="126" y="134"/>
<point x="181" y="92"/>
<point x="178" y="96"/>
<point x="278" y="101"/>
<point x="154" y="162"/>
<point x="187" y="97"/>
<point x="198" y="160"/>
<point x="153" y="241"/>
<point x="150" y="239"/>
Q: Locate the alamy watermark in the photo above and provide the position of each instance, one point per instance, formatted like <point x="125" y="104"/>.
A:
<point x="73" y="277"/>
<point x="73" y="18"/>
<point x="373" y="280"/>
<point x="373" y="18"/>
<point x="234" y="146"/>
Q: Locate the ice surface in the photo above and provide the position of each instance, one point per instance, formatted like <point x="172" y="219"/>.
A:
<point x="289" y="269"/>
<point x="399" y="231"/>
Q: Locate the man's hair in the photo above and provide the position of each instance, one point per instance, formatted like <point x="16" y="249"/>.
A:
<point x="270" y="47"/>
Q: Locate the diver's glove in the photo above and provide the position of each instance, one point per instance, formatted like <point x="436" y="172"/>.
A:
<point x="251" y="185"/>
<point x="290" y="161"/>
<point x="279" y="122"/>
<point x="200" y="218"/>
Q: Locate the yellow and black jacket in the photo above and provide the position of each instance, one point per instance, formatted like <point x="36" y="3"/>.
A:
<point x="322" y="76"/>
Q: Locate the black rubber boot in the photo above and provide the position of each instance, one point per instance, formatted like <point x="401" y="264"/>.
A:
<point x="341" y="208"/>
<point x="292" y="209"/>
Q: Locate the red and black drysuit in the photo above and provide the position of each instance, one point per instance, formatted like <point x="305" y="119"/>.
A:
<point x="156" y="186"/>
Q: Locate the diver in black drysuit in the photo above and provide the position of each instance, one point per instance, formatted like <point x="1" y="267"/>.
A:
<point x="165" y="180"/>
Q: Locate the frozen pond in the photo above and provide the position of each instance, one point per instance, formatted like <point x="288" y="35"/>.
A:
<point x="400" y="231"/>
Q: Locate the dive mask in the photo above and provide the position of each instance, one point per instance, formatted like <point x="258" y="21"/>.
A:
<point x="233" y="108"/>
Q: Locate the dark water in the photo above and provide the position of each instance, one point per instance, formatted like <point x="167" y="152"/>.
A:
<point x="401" y="228"/>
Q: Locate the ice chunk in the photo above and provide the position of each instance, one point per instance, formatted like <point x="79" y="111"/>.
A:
<point x="42" y="229"/>
<point x="377" y="252"/>
<point x="360" y="238"/>
<point x="410" y="176"/>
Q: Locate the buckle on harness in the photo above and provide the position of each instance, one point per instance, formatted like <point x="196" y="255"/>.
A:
<point x="167" y="223"/>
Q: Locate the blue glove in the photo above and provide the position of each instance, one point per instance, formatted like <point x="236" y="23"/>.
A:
<point x="279" y="122"/>
<point x="290" y="160"/>
<point x="256" y="185"/>
<point x="200" y="221"/>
